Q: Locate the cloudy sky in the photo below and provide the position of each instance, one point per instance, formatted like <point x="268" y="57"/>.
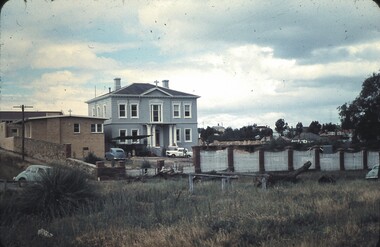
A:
<point x="250" y="61"/>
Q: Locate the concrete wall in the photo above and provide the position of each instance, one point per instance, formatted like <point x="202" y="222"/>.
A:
<point x="288" y="160"/>
<point x="87" y="168"/>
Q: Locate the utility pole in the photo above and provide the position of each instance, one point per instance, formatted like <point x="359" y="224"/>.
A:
<point x="23" y="128"/>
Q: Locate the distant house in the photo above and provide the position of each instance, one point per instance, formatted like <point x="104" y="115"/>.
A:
<point x="85" y="134"/>
<point x="219" y="128"/>
<point x="146" y="114"/>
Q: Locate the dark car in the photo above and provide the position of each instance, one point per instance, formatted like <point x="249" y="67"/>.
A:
<point x="115" y="154"/>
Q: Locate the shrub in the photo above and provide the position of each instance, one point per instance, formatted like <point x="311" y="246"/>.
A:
<point x="145" y="164"/>
<point x="59" y="193"/>
<point x="92" y="158"/>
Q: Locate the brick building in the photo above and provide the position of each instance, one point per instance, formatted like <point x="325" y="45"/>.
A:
<point x="85" y="134"/>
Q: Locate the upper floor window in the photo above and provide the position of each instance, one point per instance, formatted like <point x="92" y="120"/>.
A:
<point x="104" y="110"/>
<point x="96" y="128"/>
<point x="155" y="113"/>
<point x="187" y="110"/>
<point x="93" y="111"/>
<point x="134" y="111"/>
<point x="176" y="111"/>
<point x="76" y="128"/>
<point x="98" y="111"/>
<point x="122" y="111"/>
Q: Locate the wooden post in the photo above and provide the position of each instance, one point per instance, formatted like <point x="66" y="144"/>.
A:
<point x="365" y="158"/>
<point x="230" y="159"/>
<point x="197" y="159"/>
<point x="317" y="157"/>
<point x="261" y="160"/>
<point x="191" y="183"/>
<point x="341" y="159"/>
<point x="290" y="158"/>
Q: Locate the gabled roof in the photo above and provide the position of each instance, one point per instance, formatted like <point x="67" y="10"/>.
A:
<point x="141" y="89"/>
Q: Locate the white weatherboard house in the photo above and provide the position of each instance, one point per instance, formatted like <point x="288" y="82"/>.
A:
<point x="148" y="114"/>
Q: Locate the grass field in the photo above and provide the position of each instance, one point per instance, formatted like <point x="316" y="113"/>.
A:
<point x="165" y="213"/>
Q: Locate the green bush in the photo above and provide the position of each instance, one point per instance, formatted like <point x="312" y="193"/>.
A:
<point x="59" y="193"/>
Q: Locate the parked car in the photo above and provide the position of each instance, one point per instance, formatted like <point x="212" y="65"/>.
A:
<point x="33" y="173"/>
<point x="115" y="154"/>
<point x="178" y="152"/>
<point x="374" y="173"/>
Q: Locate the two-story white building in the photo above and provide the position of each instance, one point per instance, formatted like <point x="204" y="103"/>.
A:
<point x="148" y="114"/>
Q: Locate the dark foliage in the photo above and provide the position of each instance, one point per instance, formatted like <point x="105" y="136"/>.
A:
<point x="315" y="127"/>
<point x="59" y="193"/>
<point x="92" y="158"/>
<point x="363" y="114"/>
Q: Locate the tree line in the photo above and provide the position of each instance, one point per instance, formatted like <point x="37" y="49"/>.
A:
<point x="361" y="117"/>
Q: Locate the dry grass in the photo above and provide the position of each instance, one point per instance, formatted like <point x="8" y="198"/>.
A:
<point x="164" y="213"/>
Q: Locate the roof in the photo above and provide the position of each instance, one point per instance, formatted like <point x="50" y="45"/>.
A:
<point x="17" y="115"/>
<point x="61" y="116"/>
<point x="140" y="89"/>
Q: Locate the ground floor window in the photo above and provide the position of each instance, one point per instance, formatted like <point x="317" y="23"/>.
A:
<point x="188" y="135"/>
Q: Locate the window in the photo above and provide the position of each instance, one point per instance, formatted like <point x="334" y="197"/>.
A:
<point x="135" y="133"/>
<point x="93" y="111"/>
<point x="188" y="135"/>
<point x="155" y="113"/>
<point x="104" y="111"/>
<point x="178" y="135"/>
<point x="76" y="128"/>
<point x="98" y="111"/>
<point x="121" y="134"/>
<point x="122" y="111"/>
<point x="96" y="128"/>
<point x="187" y="110"/>
<point x="176" y="111"/>
<point x="134" y="111"/>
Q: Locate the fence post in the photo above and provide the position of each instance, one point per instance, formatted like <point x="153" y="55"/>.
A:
<point x="365" y="158"/>
<point x="197" y="159"/>
<point x="230" y="159"/>
<point x="317" y="158"/>
<point x="191" y="183"/>
<point x="261" y="160"/>
<point x="341" y="159"/>
<point x="290" y="158"/>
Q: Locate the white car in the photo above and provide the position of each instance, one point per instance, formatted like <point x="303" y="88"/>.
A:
<point x="33" y="173"/>
<point x="374" y="173"/>
<point x="178" y="152"/>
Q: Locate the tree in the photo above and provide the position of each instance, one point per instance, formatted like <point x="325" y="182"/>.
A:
<point x="280" y="126"/>
<point x="363" y="114"/>
<point x="315" y="127"/>
<point x="208" y="135"/>
<point x="299" y="128"/>
<point x="329" y="127"/>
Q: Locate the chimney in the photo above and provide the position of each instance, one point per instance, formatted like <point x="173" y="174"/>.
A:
<point x="165" y="83"/>
<point x="117" y="84"/>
